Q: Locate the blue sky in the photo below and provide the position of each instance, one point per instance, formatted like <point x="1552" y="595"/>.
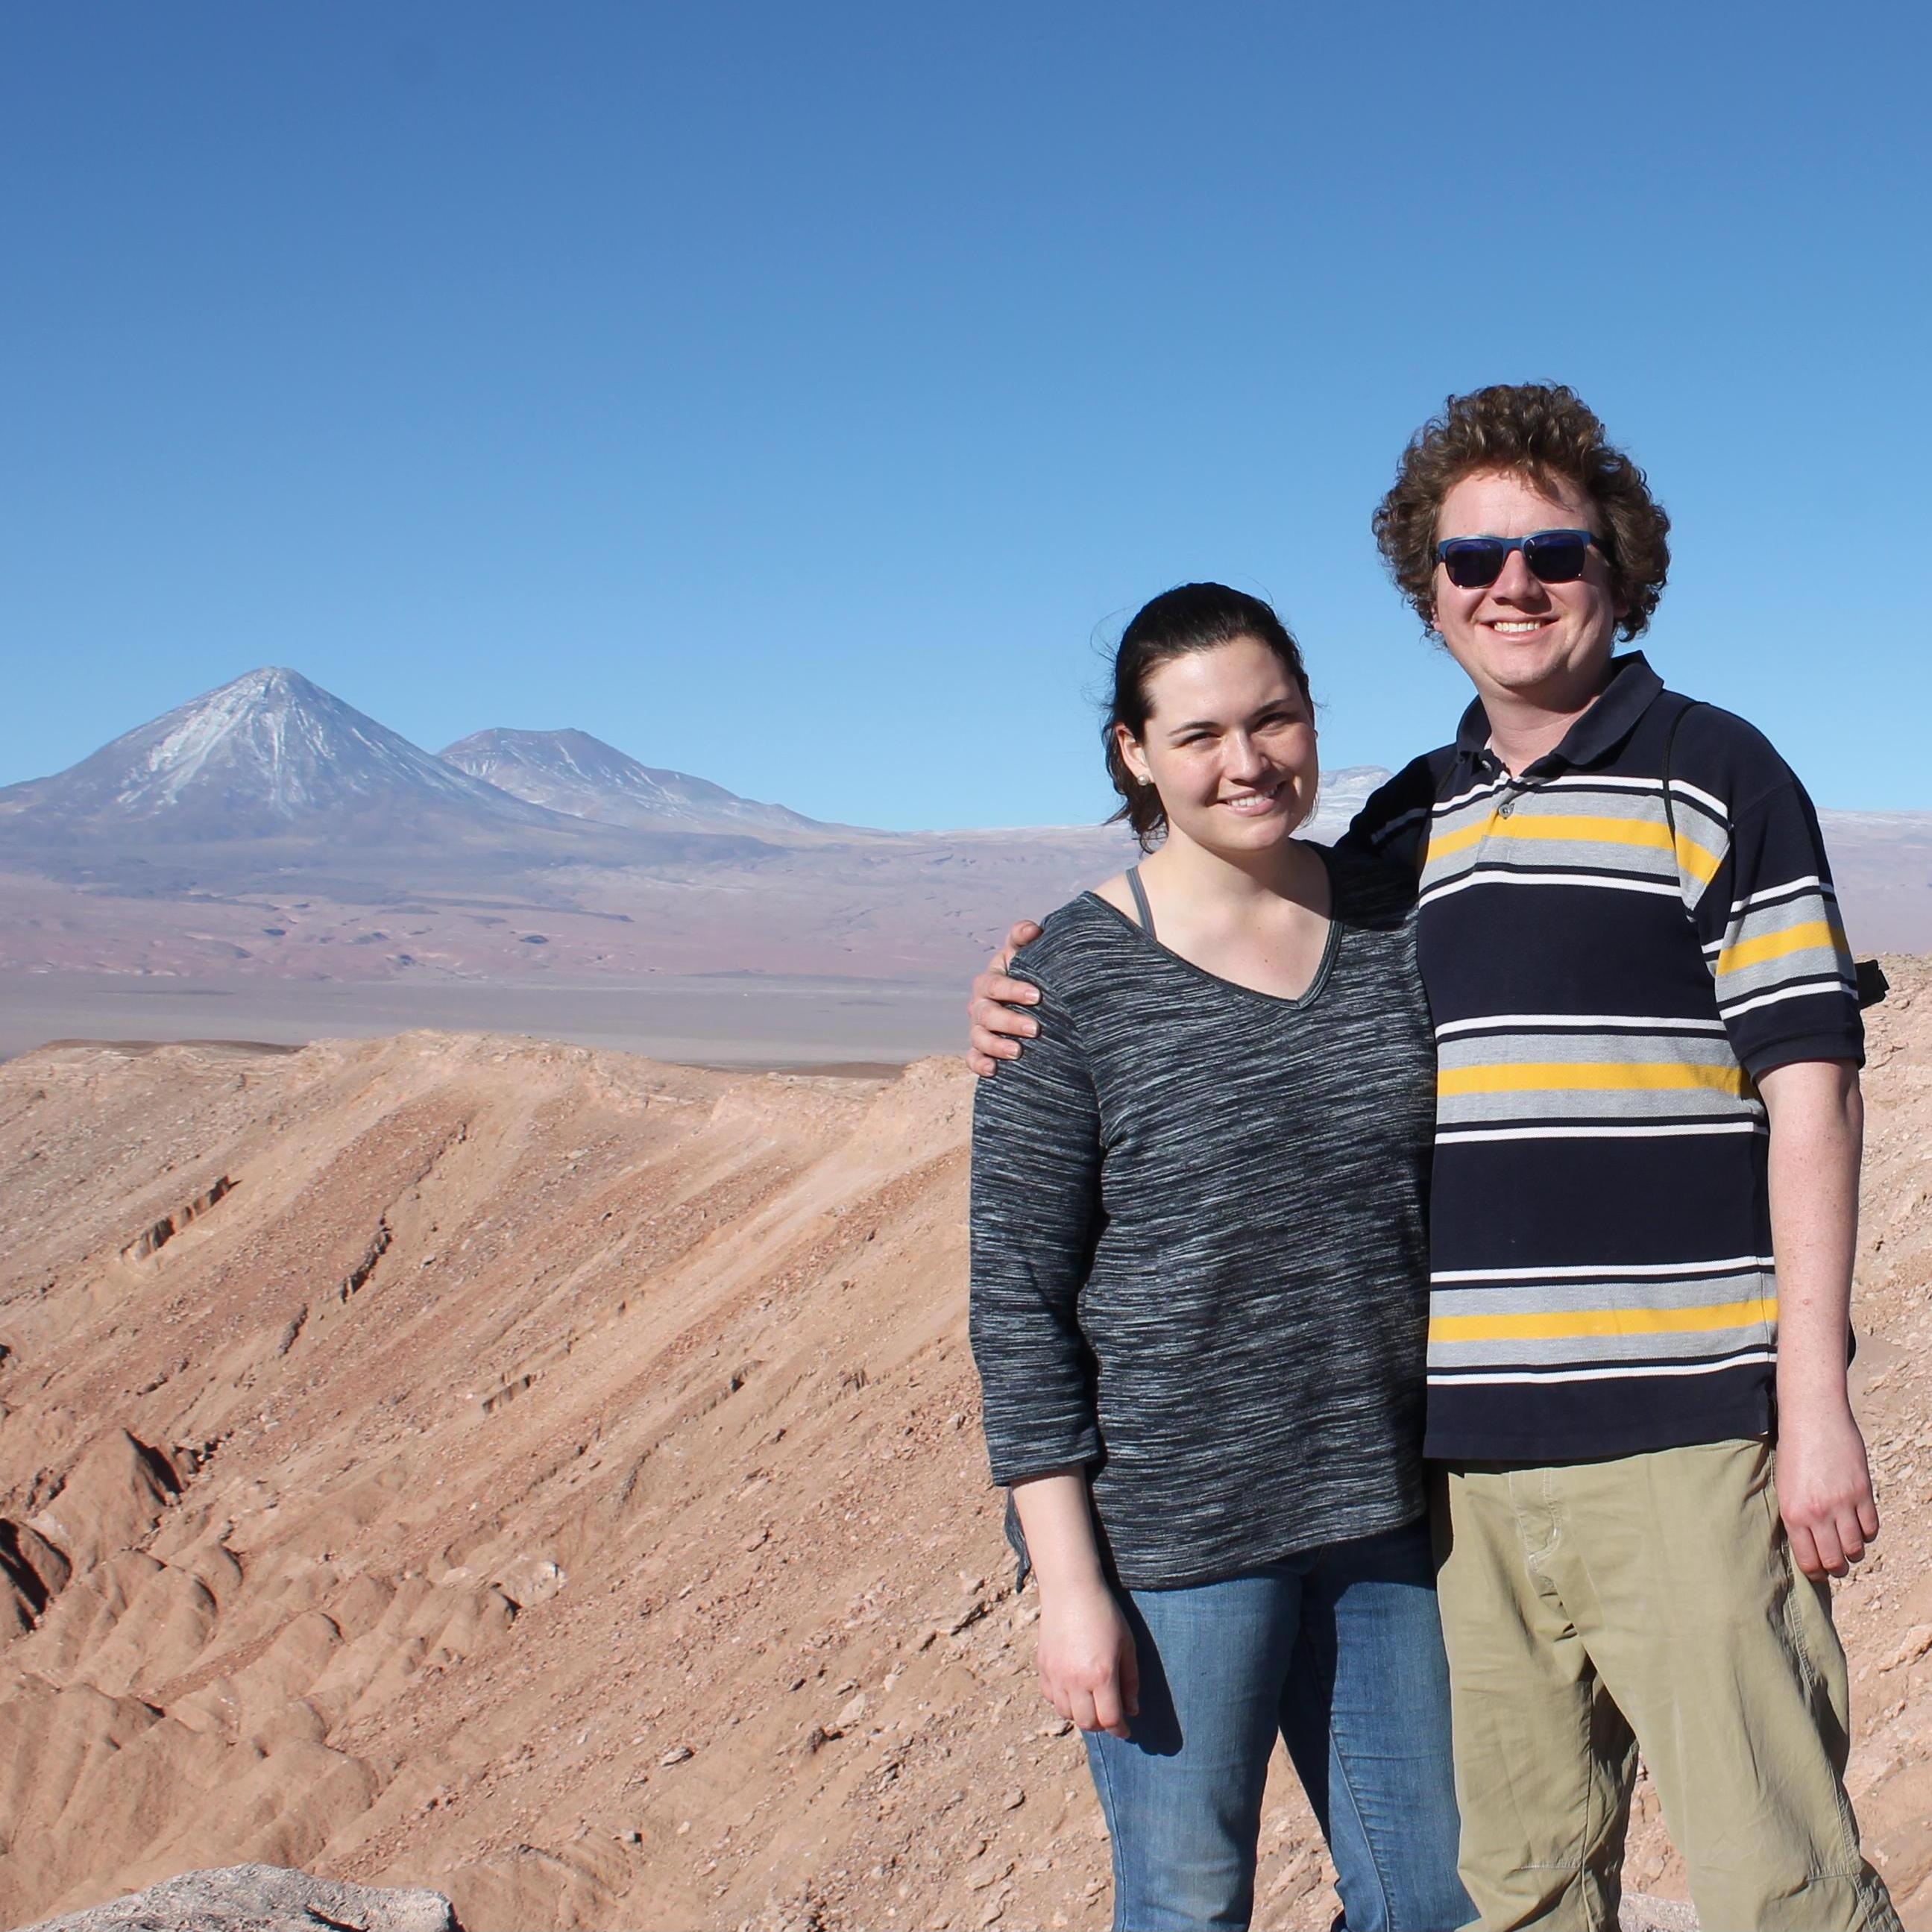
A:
<point x="795" y="395"/>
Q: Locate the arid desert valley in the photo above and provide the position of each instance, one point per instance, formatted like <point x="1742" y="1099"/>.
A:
<point x="553" y="1477"/>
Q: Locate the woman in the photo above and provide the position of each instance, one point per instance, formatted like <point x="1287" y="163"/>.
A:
<point x="1199" y="1296"/>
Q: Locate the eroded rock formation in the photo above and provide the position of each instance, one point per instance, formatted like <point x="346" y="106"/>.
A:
<point x="554" y="1478"/>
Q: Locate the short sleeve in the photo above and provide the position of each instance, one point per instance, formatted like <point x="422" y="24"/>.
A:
<point x="1392" y="825"/>
<point x="1769" y="922"/>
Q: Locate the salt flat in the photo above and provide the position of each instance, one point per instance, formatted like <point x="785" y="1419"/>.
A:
<point x="708" y="1019"/>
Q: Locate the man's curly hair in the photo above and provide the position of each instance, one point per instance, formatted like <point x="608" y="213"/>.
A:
<point x="1539" y="429"/>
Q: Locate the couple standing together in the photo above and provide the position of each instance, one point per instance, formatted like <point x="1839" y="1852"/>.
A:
<point x="1519" y="1132"/>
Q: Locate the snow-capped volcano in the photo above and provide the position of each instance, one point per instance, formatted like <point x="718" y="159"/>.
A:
<point x="267" y="755"/>
<point x="571" y="772"/>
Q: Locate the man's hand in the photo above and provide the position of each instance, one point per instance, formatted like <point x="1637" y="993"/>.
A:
<point x="1824" y="1491"/>
<point x="996" y="1030"/>
<point x="1088" y="1668"/>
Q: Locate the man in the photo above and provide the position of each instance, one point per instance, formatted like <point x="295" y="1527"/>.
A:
<point x="1643" y="1210"/>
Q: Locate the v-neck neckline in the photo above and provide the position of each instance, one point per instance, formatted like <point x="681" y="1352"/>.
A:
<point x="1291" y="1003"/>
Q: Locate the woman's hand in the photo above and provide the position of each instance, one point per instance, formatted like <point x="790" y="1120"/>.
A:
<point x="1088" y="1668"/>
<point x="996" y="1030"/>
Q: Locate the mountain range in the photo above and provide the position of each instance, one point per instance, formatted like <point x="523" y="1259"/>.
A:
<point x="269" y="829"/>
<point x="572" y="773"/>
<point x="271" y="755"/>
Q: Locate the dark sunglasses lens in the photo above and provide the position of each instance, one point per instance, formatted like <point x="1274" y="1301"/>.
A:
<point x="1557" y="560"/>
<point x="1472" y="562"/>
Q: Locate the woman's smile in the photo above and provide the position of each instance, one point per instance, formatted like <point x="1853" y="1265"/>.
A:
<point x="1255" y="804"/>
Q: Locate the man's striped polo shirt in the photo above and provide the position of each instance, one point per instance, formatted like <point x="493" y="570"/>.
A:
<point x="1601" y="1275"/>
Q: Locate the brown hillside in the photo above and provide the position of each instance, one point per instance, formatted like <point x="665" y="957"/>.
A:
<point x="554" y="1477"/>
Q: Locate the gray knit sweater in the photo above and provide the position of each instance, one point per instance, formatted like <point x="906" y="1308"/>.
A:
<point x="1199" y="1256"/>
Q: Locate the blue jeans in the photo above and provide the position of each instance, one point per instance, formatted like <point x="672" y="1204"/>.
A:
<point x="1338" y="1649"/>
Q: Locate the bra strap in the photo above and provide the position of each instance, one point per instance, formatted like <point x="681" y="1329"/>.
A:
<point x="1139" y="892"/>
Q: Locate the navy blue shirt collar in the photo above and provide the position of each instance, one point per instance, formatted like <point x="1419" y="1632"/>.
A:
<point x="1634" y="687"/>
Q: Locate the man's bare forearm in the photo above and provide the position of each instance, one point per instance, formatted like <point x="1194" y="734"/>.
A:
<point x="1824" y="1481"/>
<point x="1817" y="1130"/>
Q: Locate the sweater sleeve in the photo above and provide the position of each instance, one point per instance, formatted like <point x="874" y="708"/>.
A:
<point x="1035" y="1217"/>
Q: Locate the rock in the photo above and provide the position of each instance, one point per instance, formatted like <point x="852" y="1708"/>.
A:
<point x="32" y="1572"/>
<point x="678" y="1754"/>
<point x="986" y="1871"/>
<point x="261" y="1898"/>
<point x="1641" y="1912"/>
<point x="110" y="1500"/>
<point x="1917" y="1641"/>
<point x="968" y="1613"/>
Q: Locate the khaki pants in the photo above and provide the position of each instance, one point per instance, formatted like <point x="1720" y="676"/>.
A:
<point x="1647" y="1601"/>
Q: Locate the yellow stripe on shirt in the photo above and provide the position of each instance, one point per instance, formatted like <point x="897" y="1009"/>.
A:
<point x="1823" y="934"/>
<point x="1578" y="830"/>
<point x="1579" y="1323"/>
<point x="1655" y="1076"/>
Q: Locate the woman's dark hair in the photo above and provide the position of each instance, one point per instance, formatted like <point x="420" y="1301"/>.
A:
<point x="1544" y="431"/>
<point x="1188" y="618"/>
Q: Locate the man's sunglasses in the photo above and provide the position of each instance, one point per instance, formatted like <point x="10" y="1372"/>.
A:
<point x="1554" y="556"/>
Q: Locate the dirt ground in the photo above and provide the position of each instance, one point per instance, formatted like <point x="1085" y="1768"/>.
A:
<point x="554" y="1478"/>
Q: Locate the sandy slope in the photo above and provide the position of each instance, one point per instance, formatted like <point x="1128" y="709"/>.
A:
<point x="553" y="1477"/>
